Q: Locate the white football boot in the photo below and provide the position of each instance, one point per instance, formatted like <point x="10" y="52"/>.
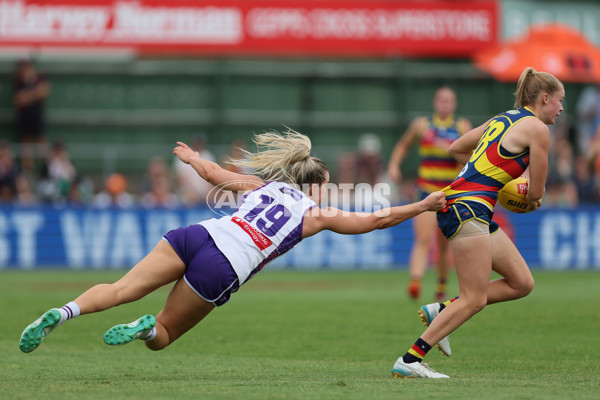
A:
<point x="427" y="314"/>
<point x="414" y="370"/>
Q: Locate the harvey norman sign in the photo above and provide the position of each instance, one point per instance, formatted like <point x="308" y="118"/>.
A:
<point x="375" y="28"/>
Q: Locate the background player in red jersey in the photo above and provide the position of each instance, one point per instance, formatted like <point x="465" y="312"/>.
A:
<point x="496" y="152"/>
<point x="437" y="169"/>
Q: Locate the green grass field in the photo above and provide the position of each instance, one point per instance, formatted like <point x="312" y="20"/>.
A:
<point x="305" y="335"/>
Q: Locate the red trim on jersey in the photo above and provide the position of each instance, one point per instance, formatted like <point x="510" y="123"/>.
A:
<point x="488" y="199"/>
<point x="260" y="240"/>
<point x="462" y="184"/>
<point x="510" y="166"/>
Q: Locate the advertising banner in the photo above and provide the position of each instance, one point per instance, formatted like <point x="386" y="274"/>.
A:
<point x="86" y="239"/>
<point x="327" y="28"/>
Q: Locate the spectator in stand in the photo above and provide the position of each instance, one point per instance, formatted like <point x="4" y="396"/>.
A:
<point x="9" y="173"/>
<point x="25" y="196"/>
<point x="588" y="114"/>
<point x="589" y="164"/>
<point x="31" y="89"/>
<point x="560" y="184"/>
<point x="59" y="165"/>
<point x="585" y="184"/>
<point x="560" y="187"/>
<point x="192" y="189"/>
<point x="157" y="188"/>
<point x="58" y="173"/>
<point x="363" y="166"/>
<point x="79" y="192"/>
<point x="369" y="164"/>
<point x="115" y="193"/>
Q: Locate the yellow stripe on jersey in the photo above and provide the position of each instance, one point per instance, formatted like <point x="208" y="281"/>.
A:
<point x="478" y="200"/>
<point x="431" y="151"/>
<point x="438" y="174"/>
<point x="449" y="192"/>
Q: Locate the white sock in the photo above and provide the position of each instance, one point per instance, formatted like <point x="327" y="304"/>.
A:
<point x="150" y="335"/>
<point x="68" y="311"/>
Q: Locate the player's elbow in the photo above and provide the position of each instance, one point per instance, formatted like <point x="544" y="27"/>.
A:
<point x="453" y="150"/>
<point x="459" y="154"/>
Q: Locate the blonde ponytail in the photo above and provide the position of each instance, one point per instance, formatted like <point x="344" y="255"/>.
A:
<point x="531" y="84"/>
<point x="283" y="158"/>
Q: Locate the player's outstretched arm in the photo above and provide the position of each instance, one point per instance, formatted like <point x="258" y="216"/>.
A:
<point x="213" y="173"/>
<point x="351" y="223"/>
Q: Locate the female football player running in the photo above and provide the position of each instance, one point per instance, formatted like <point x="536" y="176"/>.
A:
<point x="212" y="259"/>
<point x="495" y="153"/>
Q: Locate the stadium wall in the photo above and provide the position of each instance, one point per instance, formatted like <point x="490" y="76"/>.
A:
<point x="97" y="239"/>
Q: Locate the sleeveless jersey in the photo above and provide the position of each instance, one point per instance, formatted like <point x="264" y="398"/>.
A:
<point x="267" y="224"/>
<point x="490" y="166"/>
<point x="437" y="168"/>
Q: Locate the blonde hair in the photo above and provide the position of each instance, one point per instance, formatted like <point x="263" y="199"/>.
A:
<point x="283" y="158"/>
<point x="532" y="83"/>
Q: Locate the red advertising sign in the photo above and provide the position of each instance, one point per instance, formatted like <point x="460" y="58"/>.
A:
<point x="261" y="27"/>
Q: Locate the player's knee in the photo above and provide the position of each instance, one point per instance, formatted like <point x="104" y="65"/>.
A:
<point x="476" y="303"/>
<point x="160" y="341"/>
<point x="156" y="345"/>
<point x="526" y="286"/>
<point x="164" y="335"/>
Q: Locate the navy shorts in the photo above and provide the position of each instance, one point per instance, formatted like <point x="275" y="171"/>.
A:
<point x="451" y="219"/>
<point x="208" y="272"/>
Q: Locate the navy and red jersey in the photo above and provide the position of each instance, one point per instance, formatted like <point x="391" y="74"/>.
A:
<point x="491" y="166"/>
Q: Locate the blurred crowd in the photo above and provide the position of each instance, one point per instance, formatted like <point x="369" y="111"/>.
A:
<point x="55" y="180"/>
<point x="574" y="160"/>
<point x="35" y="172"/>
<point x="573" y="178"/>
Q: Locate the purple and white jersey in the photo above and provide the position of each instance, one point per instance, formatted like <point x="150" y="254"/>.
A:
<point x="267" y="224"/>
